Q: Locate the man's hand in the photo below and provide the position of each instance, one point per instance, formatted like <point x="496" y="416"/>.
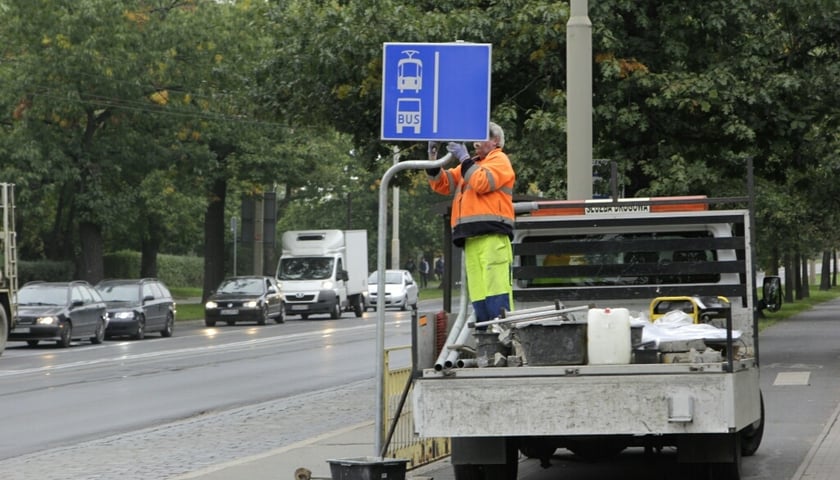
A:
<point x="459" y="150"/>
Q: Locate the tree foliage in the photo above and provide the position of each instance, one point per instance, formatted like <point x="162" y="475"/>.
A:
<point x="142" y="131"/>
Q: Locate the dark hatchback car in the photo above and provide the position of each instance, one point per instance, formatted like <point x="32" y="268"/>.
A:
<point x="138" y="306"/>
<point x="247" y="299"/>
<point x="59" y="311"/>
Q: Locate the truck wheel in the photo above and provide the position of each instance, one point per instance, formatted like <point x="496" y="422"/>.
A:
<point x="752" y="434"/>
<point x="507" y="471"/>
<point x="336" y="311"/>
<point x="358" y="308"/>
<point x="4" y="329"/>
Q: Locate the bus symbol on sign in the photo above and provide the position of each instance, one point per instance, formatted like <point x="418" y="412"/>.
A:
<point x="408" y="114"/>
<point x="410" y="72"/>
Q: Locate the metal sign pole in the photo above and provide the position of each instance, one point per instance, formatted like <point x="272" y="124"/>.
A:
<point x="381" y="243"/>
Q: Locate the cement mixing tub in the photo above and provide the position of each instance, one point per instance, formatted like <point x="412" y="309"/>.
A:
<point x="368" y="468"/>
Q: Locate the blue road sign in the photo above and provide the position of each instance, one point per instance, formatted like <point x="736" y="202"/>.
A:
<point x="435" y="91"/>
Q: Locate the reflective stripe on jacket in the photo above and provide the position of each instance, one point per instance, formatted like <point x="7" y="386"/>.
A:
<point x="483" y="200"/>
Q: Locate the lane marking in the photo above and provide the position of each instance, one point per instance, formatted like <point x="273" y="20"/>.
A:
<point x="792" y="378"/>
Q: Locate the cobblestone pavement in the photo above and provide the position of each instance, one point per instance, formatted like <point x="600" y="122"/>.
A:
<point x="207" y="439"/>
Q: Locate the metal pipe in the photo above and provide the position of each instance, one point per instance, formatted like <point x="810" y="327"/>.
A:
<point x="381" y="245"/>
<point x="466" y="363"/>
<point x="460" y="320"/>
<point x="530" y="317"/>
<point x="557" y="306"/>
<point x="462" y="338"/>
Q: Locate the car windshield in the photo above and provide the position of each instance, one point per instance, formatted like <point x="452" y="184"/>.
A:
<point x="44" y="295"/>
<point x="242" y="285"/>
<point x="305" y="268"/>
<point x="393" y="278"/>
<point x="126" y="292"/>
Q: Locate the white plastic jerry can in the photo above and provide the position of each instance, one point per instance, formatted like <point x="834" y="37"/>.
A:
<point x="608" y="336"/>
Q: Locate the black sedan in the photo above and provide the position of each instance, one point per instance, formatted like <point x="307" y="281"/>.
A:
<point x="248" y="299"/>
<point x="59" y="311"/>
<point x="138" y="306"/>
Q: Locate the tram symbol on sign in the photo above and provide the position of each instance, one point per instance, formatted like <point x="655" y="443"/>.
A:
<point x="410" y="72"/>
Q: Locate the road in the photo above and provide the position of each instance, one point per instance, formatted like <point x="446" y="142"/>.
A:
<point x="57" y="400"/>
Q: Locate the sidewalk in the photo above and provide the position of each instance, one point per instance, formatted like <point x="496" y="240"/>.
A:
<point x="313" y="454"/>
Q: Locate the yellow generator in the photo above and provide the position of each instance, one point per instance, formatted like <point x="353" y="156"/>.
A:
<point x="701" y="309"/>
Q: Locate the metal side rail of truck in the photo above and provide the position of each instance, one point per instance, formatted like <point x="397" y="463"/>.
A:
<point x="700" y="395"/>
<point x="8" y="262"/>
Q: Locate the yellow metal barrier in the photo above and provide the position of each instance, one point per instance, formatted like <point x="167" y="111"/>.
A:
<point x="405" y="443"/>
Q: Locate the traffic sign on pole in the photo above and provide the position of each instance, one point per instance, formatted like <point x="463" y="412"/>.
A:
<point x="436" y="91"/>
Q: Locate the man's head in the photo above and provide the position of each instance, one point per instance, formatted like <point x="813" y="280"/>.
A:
<point x="496" y="138"/>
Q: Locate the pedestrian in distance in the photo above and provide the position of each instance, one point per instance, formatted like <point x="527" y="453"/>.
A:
<point x="482" y="218"/>
<point x="439" y="268"/>
<point x="425" y="268"/>
<point x="410" y="266"/>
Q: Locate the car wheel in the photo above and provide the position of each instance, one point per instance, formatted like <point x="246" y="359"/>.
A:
<point x="336" y="311"/>
<point x="263" y="315"/>
<point x="404" y="306"/>
<point x="209" y="323"/>
<point x="99" y="335"/>
<point x="169" y="327"/>
<point x="281" y="315"/>
<point x="140" y="334"/>
<point x="32" y="343"/>
<point x="66" y="335"/>
<point x="304" y="316"/>
<point x="231" y="322"/>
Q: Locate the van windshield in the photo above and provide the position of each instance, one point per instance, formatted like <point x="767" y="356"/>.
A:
<point x="305" y="268"/>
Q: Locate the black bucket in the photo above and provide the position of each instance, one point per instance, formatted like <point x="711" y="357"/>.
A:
<point x="368" y="468"/>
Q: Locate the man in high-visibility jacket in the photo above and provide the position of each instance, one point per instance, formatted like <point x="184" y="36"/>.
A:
<point x="482" y="218"/>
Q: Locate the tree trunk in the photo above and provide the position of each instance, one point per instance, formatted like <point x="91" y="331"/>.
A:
<point x="806" y="278"/>
<point x="214" y="238"/>
<point x="90" y="264"/>
<point x="789" y="281"/>
<point x="797" y="275"/>
<point x="825" y="272"/>
<point x="149" y="248"/>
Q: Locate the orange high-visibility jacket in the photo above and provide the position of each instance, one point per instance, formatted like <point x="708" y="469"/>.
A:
<point x="483" y="191"/>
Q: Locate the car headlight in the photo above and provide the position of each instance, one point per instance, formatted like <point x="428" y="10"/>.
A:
<point x="124" y="315"/>
<point x="327" y="284"/>
<point x="251" y="304"/>
<point x="46" y="320"/>
<point x="211" y="305"/>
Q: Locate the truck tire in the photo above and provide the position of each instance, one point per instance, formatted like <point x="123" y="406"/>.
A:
<point x="752" y="434"/>
<point x="506" y="471"/>
<point x="358" y="308"/>
<point x="335" y="312"/>
<point x="4" y="330"/>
